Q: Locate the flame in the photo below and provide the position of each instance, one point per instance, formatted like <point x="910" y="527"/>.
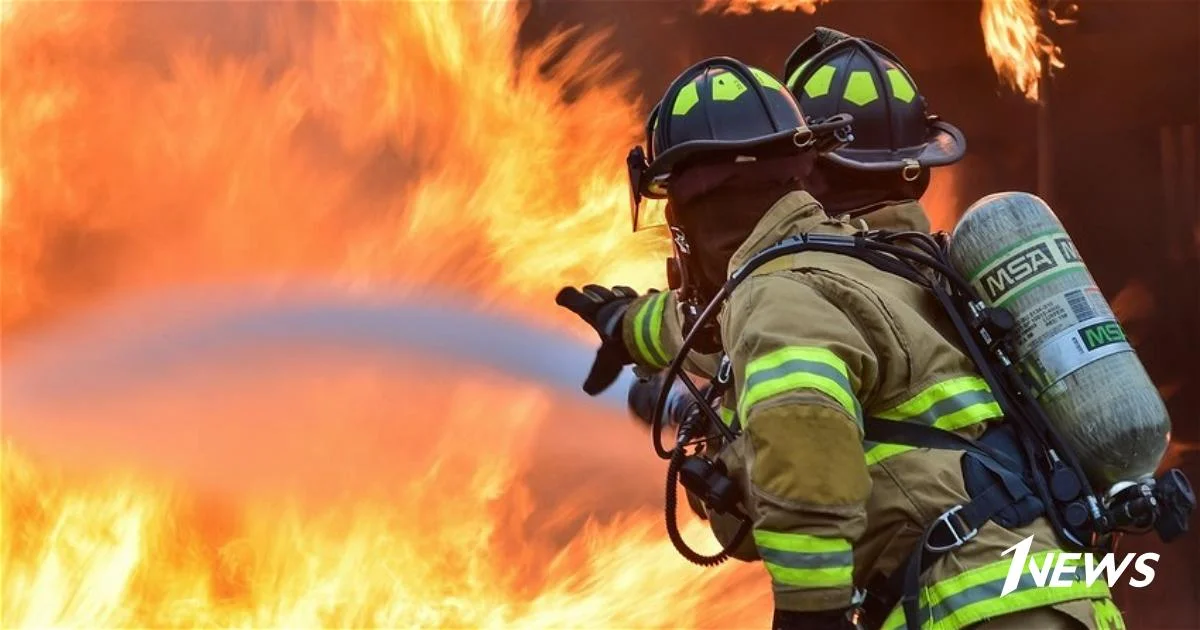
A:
<point x="1017" y="46"/>
<point x="121" y="549"/>
<point x="1013" y="37"/>
<point x="743" y="7"/>
<point x="376" y="141"/>
<point x="152" y="145"/>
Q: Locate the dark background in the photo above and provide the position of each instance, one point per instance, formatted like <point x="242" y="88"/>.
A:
<point x="1123" y="123"/>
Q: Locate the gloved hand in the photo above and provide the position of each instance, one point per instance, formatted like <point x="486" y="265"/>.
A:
<point x="842" y="619"/>
<point x="603" y="310"/>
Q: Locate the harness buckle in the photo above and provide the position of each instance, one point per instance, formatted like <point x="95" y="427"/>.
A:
<point x="725" y="371"/>
<point x="960" y="539"/>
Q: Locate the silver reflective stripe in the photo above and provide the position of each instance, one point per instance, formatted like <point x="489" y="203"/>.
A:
<point x="950" y="405"/>
<point x="978" y="593"/>
<point x="953" y="404"/>
<point x="792" y="366"/>
<point x="802" y="560"/>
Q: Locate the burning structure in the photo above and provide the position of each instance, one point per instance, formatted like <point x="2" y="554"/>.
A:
<point x="469" y="146"/>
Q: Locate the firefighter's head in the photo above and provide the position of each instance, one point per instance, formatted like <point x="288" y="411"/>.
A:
<point x="896" y="139"/>
<point x="725" y="143"/>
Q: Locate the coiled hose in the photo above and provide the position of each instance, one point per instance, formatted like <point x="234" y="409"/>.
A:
<point x="676" y="462"/>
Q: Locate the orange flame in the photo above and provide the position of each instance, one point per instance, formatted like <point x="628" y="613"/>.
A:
<point x="1012" y="35"/>
<point x="743" y="7"/>
<point x="150" y="145"/>
<point x="376" y="141"/>
<point x="443" y="549"/>
<point x="1017" y="45"/>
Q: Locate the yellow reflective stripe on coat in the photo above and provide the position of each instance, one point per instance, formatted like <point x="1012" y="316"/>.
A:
<point x="806" y="561"/>
<point x="647" y="330"/>
<point x="727" y="416"/>
<point x="951" y="404"/>
<point x="973" y="596"/>
<point x="795" y="368"/>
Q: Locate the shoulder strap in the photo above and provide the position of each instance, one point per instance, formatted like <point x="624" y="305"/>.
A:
<point x="953" y="528"/>
<point x="782" y="263"/>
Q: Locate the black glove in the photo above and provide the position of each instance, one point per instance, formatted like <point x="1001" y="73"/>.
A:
<point x="602" y="309"/>
<point x="815" y="620"/>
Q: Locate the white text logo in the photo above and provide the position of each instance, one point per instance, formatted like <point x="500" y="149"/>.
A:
<point x="1061" y="570"/>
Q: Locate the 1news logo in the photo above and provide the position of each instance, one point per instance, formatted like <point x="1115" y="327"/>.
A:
<point x="1060" y="570"/>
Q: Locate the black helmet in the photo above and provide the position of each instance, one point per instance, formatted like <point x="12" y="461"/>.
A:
<point x="717" y="108"/>
<point x="832" y="73"/>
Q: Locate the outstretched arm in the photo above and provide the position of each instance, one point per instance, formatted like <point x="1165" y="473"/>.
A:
<point x="653" y="334"/>
<point x="801" y="368"/>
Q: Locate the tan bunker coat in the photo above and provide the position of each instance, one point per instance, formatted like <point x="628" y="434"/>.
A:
<point x="818" y="340"/>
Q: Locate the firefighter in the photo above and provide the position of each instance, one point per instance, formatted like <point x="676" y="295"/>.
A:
<point x="818" y="340"/>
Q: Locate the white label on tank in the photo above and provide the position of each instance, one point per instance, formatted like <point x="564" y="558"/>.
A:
<point x="1026" y="265"/>
<point x="1037" y="325"/>
<point x="1074" y="348"/>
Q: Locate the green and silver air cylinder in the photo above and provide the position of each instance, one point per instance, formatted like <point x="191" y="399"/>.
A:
<point x="1086" y="375"/>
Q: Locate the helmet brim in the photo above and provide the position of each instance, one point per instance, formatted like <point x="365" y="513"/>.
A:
<point x="788" y="140"/>
<point x="945" y="144"/>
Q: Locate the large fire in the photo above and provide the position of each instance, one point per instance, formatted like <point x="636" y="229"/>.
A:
<point x="151" y="145"/>
<point x="344" y="507"/>
<point x="377" y="141"/>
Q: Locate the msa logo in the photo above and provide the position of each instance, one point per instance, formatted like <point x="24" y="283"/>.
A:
<point x="1061" y="570"/>
<point x="1067" y="249"/>
<point x="1022" y="267"/>
<point x="1016" y="269"/>
<point x="1102" y="334"/>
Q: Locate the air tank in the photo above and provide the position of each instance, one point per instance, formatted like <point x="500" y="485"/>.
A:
<point x="1087" y="377"/>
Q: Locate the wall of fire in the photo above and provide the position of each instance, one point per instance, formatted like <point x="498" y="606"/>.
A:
<point x="1118" y="158"/>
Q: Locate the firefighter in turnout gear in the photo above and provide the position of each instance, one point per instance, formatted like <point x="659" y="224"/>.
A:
<point x="818" y="341"/>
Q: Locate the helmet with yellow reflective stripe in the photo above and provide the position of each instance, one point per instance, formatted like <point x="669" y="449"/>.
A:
<point x="715" y="109"/>
<point x="834" y="73"/>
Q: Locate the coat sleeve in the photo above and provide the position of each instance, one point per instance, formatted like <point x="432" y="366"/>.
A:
<point x="653" y="333"/>
<point x="802" y="367"/>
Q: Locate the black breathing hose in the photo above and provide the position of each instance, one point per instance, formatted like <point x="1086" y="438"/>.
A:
<point x="672" y="502"/>
<point x="676" y="370"/>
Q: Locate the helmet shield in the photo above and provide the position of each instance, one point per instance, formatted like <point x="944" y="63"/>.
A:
<point x="649" y="214"/>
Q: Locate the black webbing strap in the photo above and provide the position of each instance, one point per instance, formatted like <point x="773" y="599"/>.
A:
<point x="954" y="528"/>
